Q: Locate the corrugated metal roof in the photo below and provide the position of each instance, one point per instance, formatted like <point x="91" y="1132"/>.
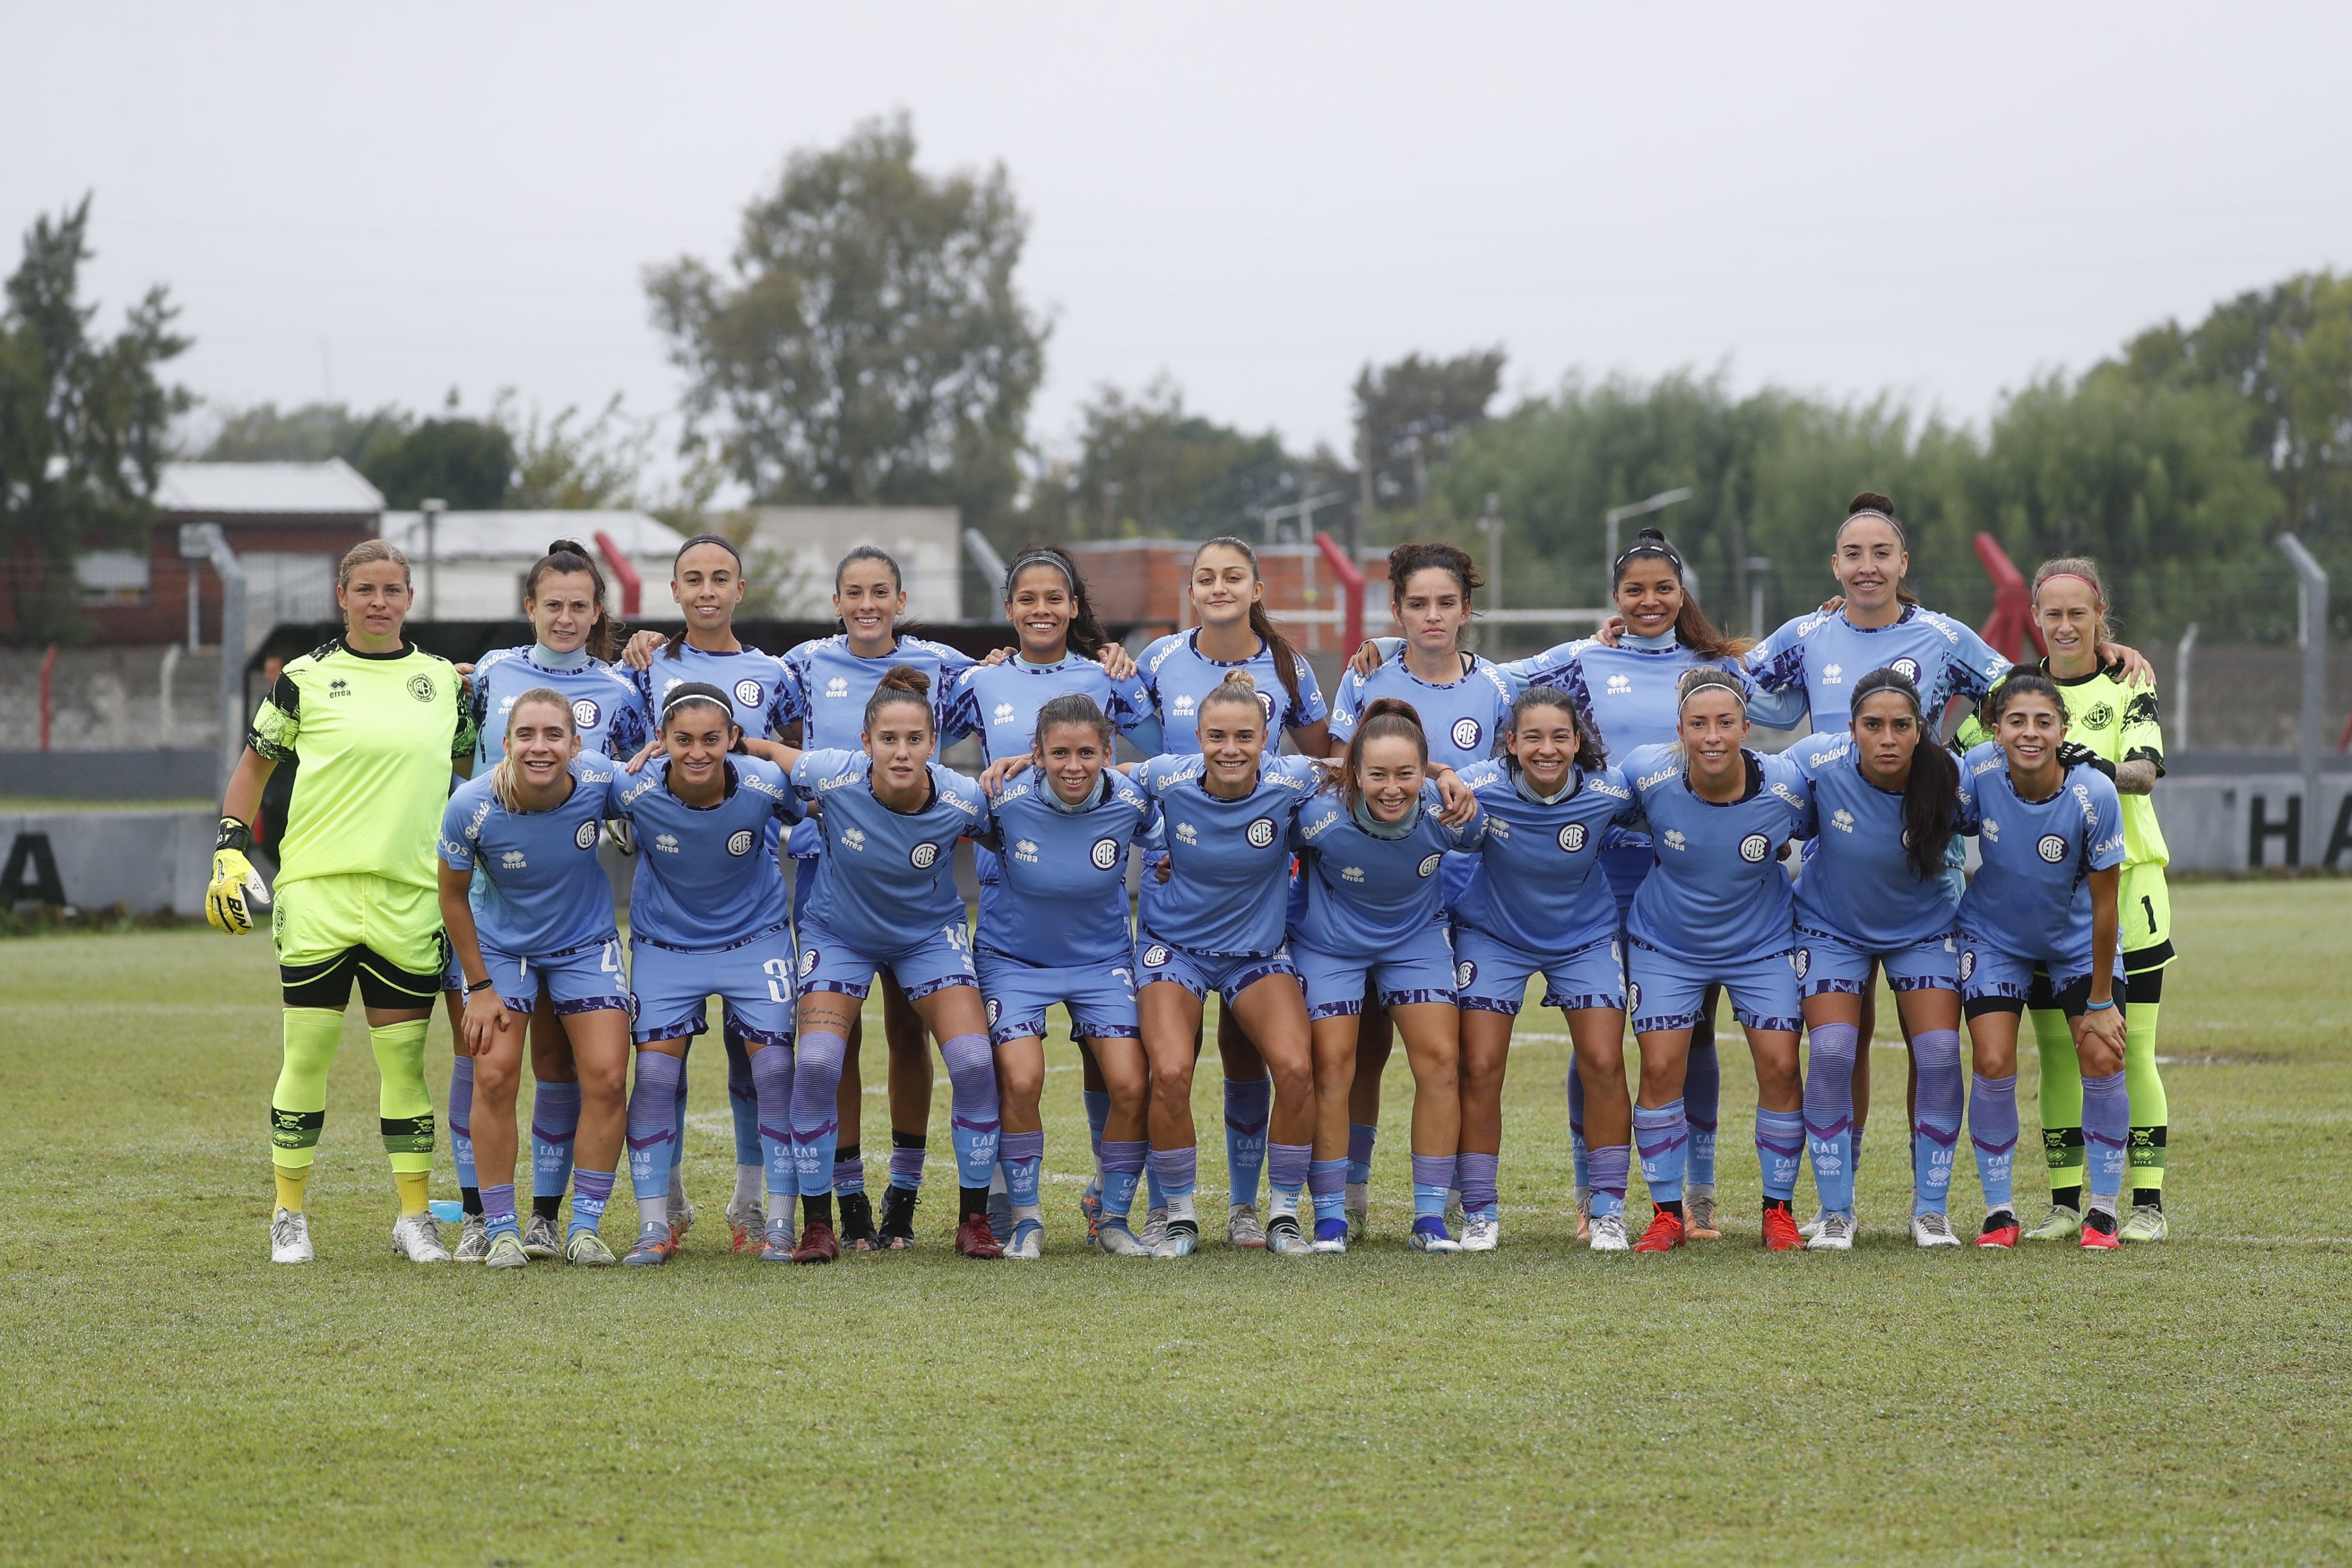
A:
<point x="248" y="489"/>
<point x="524" y="536"/>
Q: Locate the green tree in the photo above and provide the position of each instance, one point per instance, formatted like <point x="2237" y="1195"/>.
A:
<point x="83" y="423"/>
<point x="311" y="433"/>
<point x="1410" y="414"/>
<point x="468" y="463"/>
<point x="566" y="466"/>
<point x="1146" y="466"/>
<point x="868" y="344"/>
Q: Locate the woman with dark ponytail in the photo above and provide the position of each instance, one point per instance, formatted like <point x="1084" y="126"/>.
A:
<point x="1874" y="893"/>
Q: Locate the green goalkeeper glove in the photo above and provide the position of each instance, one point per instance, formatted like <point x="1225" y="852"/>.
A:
<point x="237" y="890"/>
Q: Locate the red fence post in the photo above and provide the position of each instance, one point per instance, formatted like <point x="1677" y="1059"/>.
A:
<point x="632" y="586"/>
<point x="1351" y="583"/>
<point x="2011" y="626"/>
<point x="48" y="706"/>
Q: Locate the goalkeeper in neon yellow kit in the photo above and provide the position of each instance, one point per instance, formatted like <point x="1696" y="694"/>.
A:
<point x="374" y="723"/>
<point x="2116" y="723"/>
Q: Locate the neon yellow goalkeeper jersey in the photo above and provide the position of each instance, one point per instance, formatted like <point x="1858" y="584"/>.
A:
<point x="373" y="733"/>
<point x="2119" y="723"/>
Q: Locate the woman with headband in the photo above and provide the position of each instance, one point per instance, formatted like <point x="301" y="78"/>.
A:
<point x="707" y="580"/>
<point x="1874" y="894"/>
<point x="1063" y="652"/>
<point x="1715" y="910"/>
<point x="2114" y="723"/>
<point x="1624" y="693"/>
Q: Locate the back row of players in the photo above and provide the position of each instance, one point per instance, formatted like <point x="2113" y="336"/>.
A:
<point x="1592" y="814"/>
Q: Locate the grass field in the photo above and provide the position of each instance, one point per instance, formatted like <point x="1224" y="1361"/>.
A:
<point x="169" y="1394"/>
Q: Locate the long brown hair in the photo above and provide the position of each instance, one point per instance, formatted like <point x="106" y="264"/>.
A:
<point x="1384" y="717"/>
<point x="1278" y="647"/>
<point x="1087" y="638"/>
<point x="568" y="556"/>
<point x="1692" y="629"/>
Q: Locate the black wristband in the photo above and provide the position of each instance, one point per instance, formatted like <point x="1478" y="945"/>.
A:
<point x="477" y="986"/>
<point x="233" y="835"/>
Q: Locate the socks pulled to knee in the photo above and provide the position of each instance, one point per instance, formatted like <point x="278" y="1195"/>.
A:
<point x="1663" y="1139"/>
<point x="678" y="1116"/>
<point x="555" y="1125"/>
<point x="848" y="1169"/>
<point x="1431" y="1176"/>
<point x="498" y="1209"/>
<point x="404" y="1106"/>
<point x="1702" y="1097"/>
<point x="1327" y="1187"/>
<point x="971" y="1105"/>
<point x="591" y="1191"/>
<point x="2107" y="1124"/>
<point x="907" y="1159"/>
<point x="1122" y="1165"/>
<point x="653" y="1106"/>
<point x="297" y="1105"/>
<point x="1992" y="1130"/>
<point x="815" y="1099"/>
<point x="1249" y="1101"/>
<point x="1097" y="1102"/>
<point x="1780" y="1153"/>
<point x="1829" y="1115"/>
<point x="1935" y="1125"/>
<point x="772" y="1084"/>
<point x="1476" y="1175"/>
<point x="743" y="1101"/>
<point x="1022" y="1157"/>
<point x="1609" y="1166"/>
<point x="461" y="1128"/>
<point x="1580" y="1157"/>
<point x="1361" y="1136"/>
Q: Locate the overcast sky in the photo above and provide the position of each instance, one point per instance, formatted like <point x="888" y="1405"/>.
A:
<point x="379" y="203"/>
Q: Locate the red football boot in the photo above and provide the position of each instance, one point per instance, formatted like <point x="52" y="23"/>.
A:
<point x="1665" y="1233"/>
<point x="818" y="1244"/>
<point x="975" y="1240"/>
<point x="1781" y="1229"/>
<point x="2099" y="1231"/>
<point x="2000" y="1230"/>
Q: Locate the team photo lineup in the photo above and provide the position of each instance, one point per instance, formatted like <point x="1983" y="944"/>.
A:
<point x="1399" y="864"/>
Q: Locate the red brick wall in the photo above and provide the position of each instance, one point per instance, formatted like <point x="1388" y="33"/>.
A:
<point x="1143" y="581"/>
<point x="163" y="618"/>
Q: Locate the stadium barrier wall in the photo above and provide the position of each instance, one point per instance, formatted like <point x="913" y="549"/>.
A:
<point x="2255" y="821"/>
<point x="148" y="861"/>
<point x="174" y="775"/>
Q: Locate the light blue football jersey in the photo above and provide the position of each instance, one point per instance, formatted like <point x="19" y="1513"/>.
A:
<point x="1176" y="675"/>
<point x="1462" y="720"/>
<point x="765" y="698"/>
<point x="2031" y="896"/>
<point x="1537" y="884"/>
<point x="834" y="684"/>
<point x="1230" y="858"/>
<point x="1822" y="656"/>
<point x="607" y="708"/>
<point x="1857" y="882"/>
<point x="538" y="886"/>
<point x="1366" y="893"/>
<point x="707" y="877"/>
<point x="890" y="876"/>
<point x="1718" y="894"/>
<point x="1061" y="895"/>
<point x="999" y="703"/>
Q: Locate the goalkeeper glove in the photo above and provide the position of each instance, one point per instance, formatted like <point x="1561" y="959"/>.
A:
<point x="236" y="891"/>
<point x="2073" y="754"/>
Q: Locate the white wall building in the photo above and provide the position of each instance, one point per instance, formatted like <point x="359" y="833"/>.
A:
<point x="926" y="541"/>
<point x="480" y="558"/>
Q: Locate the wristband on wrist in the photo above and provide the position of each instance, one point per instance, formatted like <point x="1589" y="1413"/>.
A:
<point x="233" y="835"/>
<point x="477" y="987"/>
<point x="2099" y="1006"/>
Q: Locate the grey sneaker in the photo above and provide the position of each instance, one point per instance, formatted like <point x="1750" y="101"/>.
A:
<point x="1155" y="1229"/>
<point x="681" y="1211"/>
<point x="1812" y="1227"/>
<point x="586" y="1250"/>
<point x="1242" y="1228"/>
<point x="2146" y="1224"/>
<point x="1834" y="1235"/>
<point x="1698" y="1215"/>
<point x="1608" y="1233"/>
<point x="415" y="1238"/>
<point x="290" y="1238"/>
<point x="1934" y="1228"/>
<point x="1481" y="1232"/>
<point x="473" y="1240"/>
<point x="1283" y="1236"/>
<point x="1359" y="1210"/>
<point x="2060" y="1224"/>
<point x="506" y="1251"/>
<point x="539" y="1239"/>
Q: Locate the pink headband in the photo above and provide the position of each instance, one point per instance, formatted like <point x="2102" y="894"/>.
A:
<point x="2095" y="594"/>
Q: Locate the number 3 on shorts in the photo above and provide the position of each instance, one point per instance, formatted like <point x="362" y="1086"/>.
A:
<point x="780" y="979"/>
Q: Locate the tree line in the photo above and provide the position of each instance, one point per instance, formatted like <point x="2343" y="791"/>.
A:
<point x="866" y="342"/>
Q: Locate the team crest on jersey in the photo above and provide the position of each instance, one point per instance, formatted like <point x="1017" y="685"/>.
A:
<point x="923" y="856"/>
<point x="421" y="687"/>
<point x="1104" y="854"/>
<point x="1155" y="957"/>
<point x="1464" y="973"/>
<point x="1802" y="960"/>
<point x="2052" y="847"/>
<point x="1754" y="848"/>
<point x="2099" y="718"/>
<point x="836" y="687"/>
<point x="1003" y="714"/>
<point x="1260" y="834"/>
<point x="586" y="836"/>
<point x="747" y="691"/>
<point x="808" y="961"/>
<point x="852" y="838"/>
<point x="1620" y="686"/>
<point x="1633" y="997"/>
<point x="996" y="1012"/>
<point x="1571" y="837"/>
<point x="1832" y="674"/>
<point x="1465" y="734"/>
<point x="666" y="842"/>
<point x="1429" y="864"/>
<point x="1674" y="840"/>
<point x="1906" y="668"/>
<point x="1266" y="702"/>
<point x="585" y="713"/>
<point x="739" y="842"/>
<point x="1968" y="963"/>
<point x="1841" y="820"/>
<point x="513" y="861"/>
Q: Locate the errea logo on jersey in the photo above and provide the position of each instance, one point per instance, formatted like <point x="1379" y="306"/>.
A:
<point x="1187" y="834"/>
<point x="1841" y="820"/>
<point x="1003" y="714"/>
<point x="852" y="838"/>
<point x="1991" y="831"/>
<point x="1674" y="840"/>
<point x="666" y="842"/>
<point x="1025" y="852"/>
<point x="1832" y="674"/>
<point x="836" y="687"/>
<point x="1618" y="686"/>
<point x="1352" y="873"/>
<point x="1181" y="708"/>
<point x="513" y="861"/>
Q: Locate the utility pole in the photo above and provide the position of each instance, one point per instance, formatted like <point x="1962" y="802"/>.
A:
<point x="2313" y="626"/>
<point x="433" y="510"/>
<point x="1490" y="523"/>
<point x="1614" y="515"/>
<point x="1363" y="490"/>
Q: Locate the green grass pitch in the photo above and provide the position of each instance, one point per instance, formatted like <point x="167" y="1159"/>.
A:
<point x="171" y="1396"/>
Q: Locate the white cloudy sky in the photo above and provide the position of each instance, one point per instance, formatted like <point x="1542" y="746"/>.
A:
<point x="378" y="202"/>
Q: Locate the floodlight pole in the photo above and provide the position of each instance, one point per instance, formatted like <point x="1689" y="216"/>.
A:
<point x="2183" y="666"/>
<point x="204" y="541"/>
<point x="433" y="510"/>
<point x="1657" y="502"/>
<point x="1490" y="523"/>
<point x="2313" y="629"/>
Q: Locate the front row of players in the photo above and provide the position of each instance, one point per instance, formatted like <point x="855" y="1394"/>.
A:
<point x="526" y="904"/>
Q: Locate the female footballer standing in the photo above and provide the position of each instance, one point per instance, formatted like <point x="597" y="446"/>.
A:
<point x="1874" y="894"/>
<point x="575" y="639"/>
<point x="707" y="916"/>
<point x="1715" y="911"/>
<point x="1063" y="651"/>
<point x="835" y="676"/>
<point x="1228" y="597"/>
<point x="374" y="723"/>
<point x="529" y="910"/>
<point x="1464" y="703"/>
<point x="1370" y="846"/>
<point x="886" y="901"/>
<point x="1225" y="814"/>
<point x="1540" y="901"/>
<point x="1057" y="934"/>
<point x="707" y="580"/>
<point x="2039" y="928"/>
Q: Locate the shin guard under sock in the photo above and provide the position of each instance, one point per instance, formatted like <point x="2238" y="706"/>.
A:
<point x="1936" y="1126"/>
<point x="1249" y="1103"/>
<point x="653" y="1107"/>
<point x="461" y="1127"/>
<point x="1829" y="1114"/>
<point x="1993" y="1129"/>
<point x="1662" y="1138"/>
<point x="971" y="1105"/>
<point x="404" y="1105"/>
<point x="554" y="1127"/>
